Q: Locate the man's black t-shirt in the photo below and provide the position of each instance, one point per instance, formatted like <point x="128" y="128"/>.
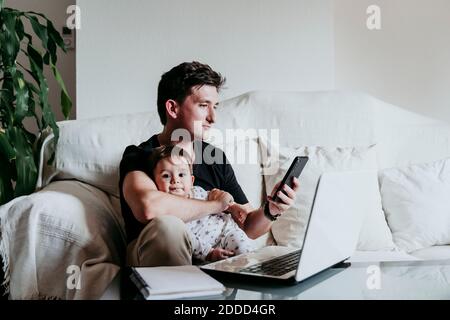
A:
<point x="218" y="175"/>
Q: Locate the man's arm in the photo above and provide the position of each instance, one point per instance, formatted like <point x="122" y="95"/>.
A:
<point x="146" y="202"/>
<point x="256" y="224"/>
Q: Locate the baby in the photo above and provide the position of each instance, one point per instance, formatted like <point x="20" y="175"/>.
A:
<point x="215" y="236"/>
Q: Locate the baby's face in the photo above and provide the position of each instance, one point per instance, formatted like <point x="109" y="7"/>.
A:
<point x="174" y="177"/>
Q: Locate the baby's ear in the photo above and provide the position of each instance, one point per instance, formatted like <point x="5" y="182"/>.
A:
<point x="193" y="178"/>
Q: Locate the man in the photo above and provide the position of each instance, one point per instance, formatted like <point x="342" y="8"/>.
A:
<point x="154" y="220"/>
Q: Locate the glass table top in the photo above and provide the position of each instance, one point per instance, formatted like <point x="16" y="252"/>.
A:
<point x="375" y="280"/>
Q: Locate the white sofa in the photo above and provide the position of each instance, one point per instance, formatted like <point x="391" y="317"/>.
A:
<point x="74" y="221"/>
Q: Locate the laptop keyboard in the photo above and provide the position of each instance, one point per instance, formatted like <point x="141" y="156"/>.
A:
<point x="277" y="266"/>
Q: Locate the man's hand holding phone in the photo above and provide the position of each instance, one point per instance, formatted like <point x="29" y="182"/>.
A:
<point x="284" y="193"/>
<point x="284" y="199"/>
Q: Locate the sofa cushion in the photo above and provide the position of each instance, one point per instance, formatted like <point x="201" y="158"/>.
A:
<point x="289" y="228"/>
<point x="90" y="150"/>
<point x="340" y="118"/>
<point x="415" y="200"/>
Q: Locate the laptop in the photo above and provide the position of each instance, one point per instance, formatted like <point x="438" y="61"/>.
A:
<point x="339" y="206"/>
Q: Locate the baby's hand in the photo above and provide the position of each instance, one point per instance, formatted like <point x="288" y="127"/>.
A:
<point x="217" y="254"/>
<point x="224" y="198"/>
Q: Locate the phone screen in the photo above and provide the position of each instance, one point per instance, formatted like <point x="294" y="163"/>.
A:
<point x="294" y="170"/>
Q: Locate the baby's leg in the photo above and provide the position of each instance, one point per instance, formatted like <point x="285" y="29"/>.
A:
<point x="200" y="248"/>
<point x="237" y="241"/>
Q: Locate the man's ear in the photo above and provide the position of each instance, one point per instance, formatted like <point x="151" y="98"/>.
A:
<point x="172" y="109"/>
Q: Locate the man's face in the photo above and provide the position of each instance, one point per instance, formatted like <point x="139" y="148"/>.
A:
<point x="173" y="176"/>
<point x="199" y="107"/>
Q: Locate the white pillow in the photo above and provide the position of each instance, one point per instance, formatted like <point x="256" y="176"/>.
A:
<point x="90" y="150"/>
<point x="288" y="230"/>
<point x="416" y="203"/>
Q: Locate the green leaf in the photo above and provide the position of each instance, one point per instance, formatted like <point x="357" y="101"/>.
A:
<point x="55" y="35"/>
<point x="5" y="111"/>
<point x="33" y="75"/>
<point x="7" y="99"/>
<point x="9" y="39"/>
<point x="66" y="102"/>
<point x="22" y="96"/>
<point x="37" y="13"/>
<point x="46" y="58"/>
<point x="36" y="64"/>
<point x="52" y="51"/>
<point x="48" y="118"/>
<point x="17" y="140"/>
<point x="32" y="88"/>
<point x="35" y="57"/>
<point x="38" y="29"/>
<point x="6" y="188"/>
<point x="26" y="174"/>
<point x="25" y="166"/>
<point x="20" y="30"/>
<point x="32" y="111"/>
<point x="6" y="149"/>
<point x="8" y="88"/>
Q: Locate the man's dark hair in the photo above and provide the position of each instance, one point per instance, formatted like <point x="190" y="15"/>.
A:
<point x="165" y="152"/>
<point x="177" y="83"/>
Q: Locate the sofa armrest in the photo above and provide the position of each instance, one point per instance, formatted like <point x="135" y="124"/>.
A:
<point x="63" y="242"/>
<point x="46" y="171"/>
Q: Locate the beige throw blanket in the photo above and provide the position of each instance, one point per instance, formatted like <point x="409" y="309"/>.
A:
<point x="65" y="242"/>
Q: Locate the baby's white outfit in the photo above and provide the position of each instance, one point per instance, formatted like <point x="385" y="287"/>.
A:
<point x="216" y="230"/>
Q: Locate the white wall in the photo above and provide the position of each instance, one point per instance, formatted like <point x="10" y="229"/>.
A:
<point x="123" y="47"/>
<point x="406" y="63"/>
<point x="55" y="10"/>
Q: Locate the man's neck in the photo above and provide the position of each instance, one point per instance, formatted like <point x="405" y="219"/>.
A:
<point x="165" y="138"/>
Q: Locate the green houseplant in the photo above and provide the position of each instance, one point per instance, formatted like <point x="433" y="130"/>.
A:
<point x="24" y="94"/>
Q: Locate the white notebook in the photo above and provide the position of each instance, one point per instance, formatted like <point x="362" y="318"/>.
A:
<point x="158" y="283"/>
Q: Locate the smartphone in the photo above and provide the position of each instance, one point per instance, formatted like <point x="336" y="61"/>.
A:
<point x="294" y="170"/>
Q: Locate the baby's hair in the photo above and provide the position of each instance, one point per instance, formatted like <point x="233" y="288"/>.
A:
<point x="165" y="152"/>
